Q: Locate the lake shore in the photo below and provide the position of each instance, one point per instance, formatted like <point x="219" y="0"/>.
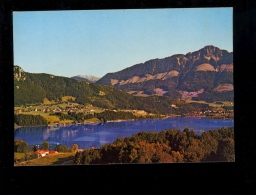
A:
<point x="56" y="126"/>
<point x="85" y="123"/>
<point x="52" y="126"/>
<point x="88" y="136"/>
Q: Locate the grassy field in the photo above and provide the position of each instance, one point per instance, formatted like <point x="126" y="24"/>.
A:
<point x="226" y="103"/>
<point x="51" y="119"/>
<point x="66" y="98"/>
<point x="46" y="101"/>
<point x="19" y="155"/>
<point x="92" y="120"/>
<point x="49" y="160"/>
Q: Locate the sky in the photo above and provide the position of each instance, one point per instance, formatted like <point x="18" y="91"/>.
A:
<point x="97" y="42"/>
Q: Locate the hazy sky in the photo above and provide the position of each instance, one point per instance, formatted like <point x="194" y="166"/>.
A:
<point x="95" y="42"/>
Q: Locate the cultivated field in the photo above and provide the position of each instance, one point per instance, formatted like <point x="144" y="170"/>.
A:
<point x="37" y="109"/>
<point x="214" y="104"/>
<point x="49" y="160"/>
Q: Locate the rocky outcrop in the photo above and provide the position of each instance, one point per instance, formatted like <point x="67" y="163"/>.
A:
<point x="19" y="73"/>
<point x="87" y="78"/>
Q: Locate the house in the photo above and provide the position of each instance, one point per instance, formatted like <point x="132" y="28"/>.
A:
<point x="19" y="111"/>
<point x="41" y="153"/>
<point x="53" y="152"/>
<point x="174" y="106"/>
<point x="141" y="112"/>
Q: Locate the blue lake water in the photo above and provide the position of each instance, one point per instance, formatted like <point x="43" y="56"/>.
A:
<point x="95" y="135"/>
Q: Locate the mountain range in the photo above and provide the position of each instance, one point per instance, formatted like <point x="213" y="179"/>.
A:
<point x="206" y="74"/>
<point x="202" y="74"/>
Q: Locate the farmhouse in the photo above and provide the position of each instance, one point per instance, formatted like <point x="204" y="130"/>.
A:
<point x="53" y="152"/>
<point x="19" y="111"/>
<point x="41" y="153"/>
<point x="141" y="112"/>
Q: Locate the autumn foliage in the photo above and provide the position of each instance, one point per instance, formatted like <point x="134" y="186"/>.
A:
<point x="168" y="146"/>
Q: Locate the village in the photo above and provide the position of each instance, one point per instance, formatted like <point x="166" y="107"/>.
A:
<point x="213" y="114"/>
<point x="50" y="111"/>
<point x="71" y="107"/>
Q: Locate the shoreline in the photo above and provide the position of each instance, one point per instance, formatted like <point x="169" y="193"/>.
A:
<point x="118" y="120"/>
<point x="86" y="123"/>
<point x="55" y="126"/>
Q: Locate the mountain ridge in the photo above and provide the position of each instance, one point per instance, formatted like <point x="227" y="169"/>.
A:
<point x="206" y="74"/>
<point x="205" y="69"/>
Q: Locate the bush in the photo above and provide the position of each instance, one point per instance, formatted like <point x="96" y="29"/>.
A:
<point x="33" y="156"/>
<point x="62" y="148"/>
<point x="20" y="146"/>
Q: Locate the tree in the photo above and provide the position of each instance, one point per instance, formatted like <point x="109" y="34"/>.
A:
<point x="45" y="145"/>
<point x="91" y="156"/>
<point x="22" y="147"/>
<point x="78" y="157"/>
<point x="62" y="148"/>
<point x="74" y="147"/>
<point x="209" y="146"/>
<point x="34" y="148"/>
<point x="16" y="144"/>
<point x="177" y="156"/>
<point x="194" y="152"/>
<point x="226" y="150"/>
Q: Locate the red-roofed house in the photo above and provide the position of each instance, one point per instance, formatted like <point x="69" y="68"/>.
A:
<point x="42" y="153"/>
<point x="53" y="152"/>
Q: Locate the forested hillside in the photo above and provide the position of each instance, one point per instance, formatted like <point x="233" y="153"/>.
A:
<point x="29" y="120"/>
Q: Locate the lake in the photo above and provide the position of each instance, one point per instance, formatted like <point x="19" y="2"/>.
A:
<point x="97" y="134"/>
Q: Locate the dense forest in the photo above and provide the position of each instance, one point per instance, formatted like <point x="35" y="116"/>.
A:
<point x="29" y="120"/>
<point x="168" y="146"/>
<point x="216" y="96"/>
